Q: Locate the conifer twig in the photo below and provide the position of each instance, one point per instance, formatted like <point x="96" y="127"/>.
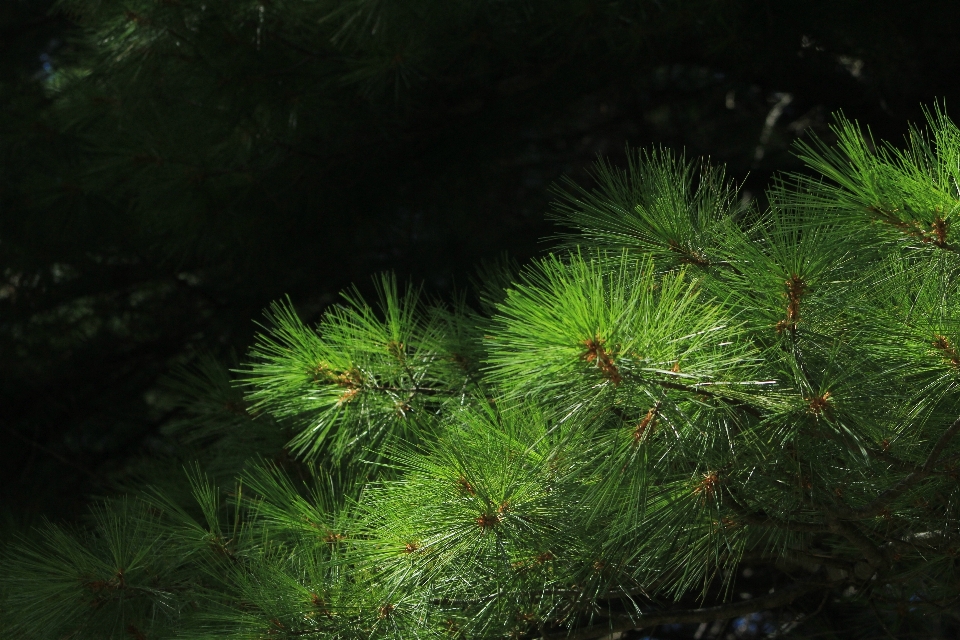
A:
<point x="698" y="389"/>
<point x="50" y="452"/>
<point x="894" y="492"/>
<point x="807" y="561"/>
<point x="856" y="537"/>
<point x="624" y="622"/>
<point x="763" y="520"/>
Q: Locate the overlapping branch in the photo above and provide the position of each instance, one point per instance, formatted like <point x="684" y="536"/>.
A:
<point x="779" y="598"/>
<point x="888" y="496"/>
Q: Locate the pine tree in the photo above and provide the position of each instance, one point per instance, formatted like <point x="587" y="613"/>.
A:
<point x="686" y="391"/>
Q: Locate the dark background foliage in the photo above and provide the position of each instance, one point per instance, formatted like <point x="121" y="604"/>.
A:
<point x="150" y="214"/>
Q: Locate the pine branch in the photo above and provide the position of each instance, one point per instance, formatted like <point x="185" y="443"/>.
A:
<point x="519" y="503"/>
<point x="811" y="562"/>
<point x="913" y="229"/>
<point x="779" y="598"/>
<point x="888" y="496"/>
<point x="698" y="389"/>
<point x="858" y="539"/>
<point x="762" y="519"/>
<point x="50" y="452"/>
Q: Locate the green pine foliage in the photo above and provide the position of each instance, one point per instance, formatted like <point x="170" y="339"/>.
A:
<point x="686" y="389"/>
<point x="362" y="378"/>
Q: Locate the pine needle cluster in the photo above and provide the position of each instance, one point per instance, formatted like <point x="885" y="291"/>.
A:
<point x="687" y="387"/>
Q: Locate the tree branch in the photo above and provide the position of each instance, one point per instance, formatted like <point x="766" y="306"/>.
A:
<point x="763" y="520"/>
<point x="695" y="389"/>
<point x="779" y="598"/>
<point x="802" y="560"/>
<point x="853" y="535"/>
<point x="50" y="452"/>
<point x="889" y="495"/>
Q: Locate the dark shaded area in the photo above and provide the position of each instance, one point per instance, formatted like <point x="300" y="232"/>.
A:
<point x="96" y="306"/>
